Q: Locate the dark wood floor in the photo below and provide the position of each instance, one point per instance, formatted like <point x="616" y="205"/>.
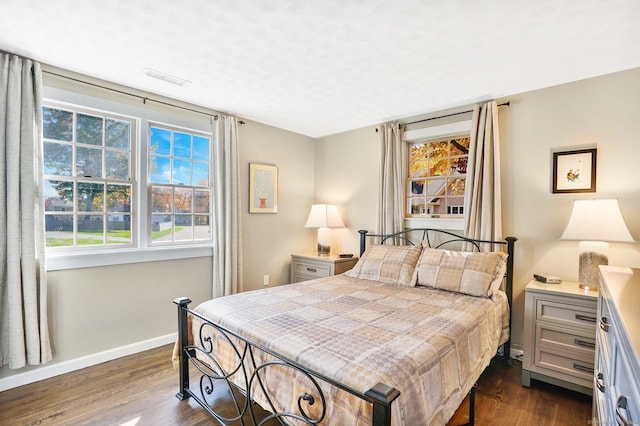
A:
<point x="139" y="390"/>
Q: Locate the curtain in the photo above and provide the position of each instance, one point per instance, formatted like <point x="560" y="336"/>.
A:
<point x="24" y="333"/>
<point x="391" y="188"/>
<point x="227" y="252"/>
<point x="482" y="200"/>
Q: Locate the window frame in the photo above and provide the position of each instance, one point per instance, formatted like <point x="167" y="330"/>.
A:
<point x="437" y="131"/>
<point x="66" y="93"/>
<point x="150" y="184"/>
<point x="105" y="180"/>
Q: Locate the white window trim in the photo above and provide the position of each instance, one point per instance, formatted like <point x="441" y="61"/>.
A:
<point x="113" y="102"/>
<point x="435" y="132"/>
<point x="67" y="260"/>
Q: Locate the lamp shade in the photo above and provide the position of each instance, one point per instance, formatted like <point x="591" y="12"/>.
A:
<point x="323" y="216"/>
<point x="597" y="220"/>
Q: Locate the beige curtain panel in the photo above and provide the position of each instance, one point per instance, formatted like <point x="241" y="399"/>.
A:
<point x="483" y="199"/>
<point x="227" y="252"/>
<point x="24" y="333"/>
<point x="392" y="178"/>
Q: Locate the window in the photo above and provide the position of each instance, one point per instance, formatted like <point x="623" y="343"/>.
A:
<point x="109" y="186"/>
<point x="179" y="185"/>
<point x="437" y="176"/>
<point x="88" y="184"/>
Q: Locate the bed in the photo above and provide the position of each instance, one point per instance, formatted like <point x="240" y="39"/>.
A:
<point x="400" y="339"/>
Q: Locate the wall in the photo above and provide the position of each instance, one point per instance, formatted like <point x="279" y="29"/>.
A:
<point x="346" y="175"/>
<point x="601" y="111"/>
<point x="270" y="239"/>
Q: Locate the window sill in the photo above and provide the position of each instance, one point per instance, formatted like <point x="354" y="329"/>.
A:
<point x="62" y="261"/>
<point x="435" y="223"/>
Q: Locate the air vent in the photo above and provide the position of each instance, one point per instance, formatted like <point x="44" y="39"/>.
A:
<point x="159" y="75"/>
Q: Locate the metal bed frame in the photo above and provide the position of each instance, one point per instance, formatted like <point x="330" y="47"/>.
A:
<point x="200" y="356"/>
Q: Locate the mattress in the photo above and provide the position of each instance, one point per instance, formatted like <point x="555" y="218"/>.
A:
<point x="431" y="345"/>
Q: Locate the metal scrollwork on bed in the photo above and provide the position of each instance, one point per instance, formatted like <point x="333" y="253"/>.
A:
<point x="250" y="373"/>
<point x="246" y="380"/>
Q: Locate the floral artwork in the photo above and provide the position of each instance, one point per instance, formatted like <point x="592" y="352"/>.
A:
<point x="263" y="188"/>
<point x="574" y="171"/>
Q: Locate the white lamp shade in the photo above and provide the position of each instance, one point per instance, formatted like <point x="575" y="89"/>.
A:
<point x="597" y="220"/>
<point x="324" y="216"/>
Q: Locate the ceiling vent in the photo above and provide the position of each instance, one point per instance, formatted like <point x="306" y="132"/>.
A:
<point x="159" y="75"/>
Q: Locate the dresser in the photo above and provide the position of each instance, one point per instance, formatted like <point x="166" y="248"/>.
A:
<point x="559" y="335"/>
<point x="616" y="398"/>
<point x="310" y="266"/>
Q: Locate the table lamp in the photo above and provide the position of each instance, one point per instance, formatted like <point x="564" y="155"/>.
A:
<point x="323" y="217"/>
<point x="595" y="223"/>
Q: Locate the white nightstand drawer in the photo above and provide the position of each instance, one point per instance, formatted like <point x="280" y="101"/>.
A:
<point x="312" y="269"/>
<point x="570" y="365"/>
<point x="308" y="266"/>
<point x="562" y="339"/>
<point x="570" y="315"/>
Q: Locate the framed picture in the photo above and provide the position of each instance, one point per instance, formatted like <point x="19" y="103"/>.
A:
<point x="263" y="188"/>
<point x="574" y="171"/>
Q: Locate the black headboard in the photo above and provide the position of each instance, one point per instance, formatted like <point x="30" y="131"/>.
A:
<point x="438" y="238"/>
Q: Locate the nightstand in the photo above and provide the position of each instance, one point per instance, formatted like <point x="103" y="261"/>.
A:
<point x="559" y="335"/>
<point x="310" y="266"/>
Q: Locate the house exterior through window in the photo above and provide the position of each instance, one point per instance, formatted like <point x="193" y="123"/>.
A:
<point x="437" y="176"/>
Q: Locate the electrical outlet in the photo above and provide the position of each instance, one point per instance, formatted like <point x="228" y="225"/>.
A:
<point x="265" y="280"/>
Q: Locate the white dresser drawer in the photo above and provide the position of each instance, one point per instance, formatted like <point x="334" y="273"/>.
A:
<point x="617" y="376"/>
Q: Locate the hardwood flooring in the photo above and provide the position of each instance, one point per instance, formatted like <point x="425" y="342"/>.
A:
<point x="139" y="390"/>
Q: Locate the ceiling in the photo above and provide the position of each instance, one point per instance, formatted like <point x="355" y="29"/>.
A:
<point x="326" y="66"/>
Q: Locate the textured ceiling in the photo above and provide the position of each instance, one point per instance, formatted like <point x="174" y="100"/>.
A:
<point x="325" y="66"/>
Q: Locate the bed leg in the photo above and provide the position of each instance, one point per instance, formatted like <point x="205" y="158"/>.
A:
<point x="183" y="339"/>
<point x="472" y="404"/>
<point x="382" y="396"/>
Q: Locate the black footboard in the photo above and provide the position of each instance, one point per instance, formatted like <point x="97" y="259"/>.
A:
<point x="246" y="379"/>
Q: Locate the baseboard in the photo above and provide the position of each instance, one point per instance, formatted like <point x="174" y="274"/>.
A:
<point x="52" y="370"/>
<point x="516" y="353"/>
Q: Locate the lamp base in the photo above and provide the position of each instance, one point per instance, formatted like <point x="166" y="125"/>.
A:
<point x="324" y="241"/>
<point x="592" y="255"/>
<point x="323" y="250"/>
<point x="587" y="287"/>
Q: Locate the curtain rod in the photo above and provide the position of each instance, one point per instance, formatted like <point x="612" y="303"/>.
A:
<point x="144" y="98"/>
<point x="449" y="115"/>
<point x="446" y="115"/>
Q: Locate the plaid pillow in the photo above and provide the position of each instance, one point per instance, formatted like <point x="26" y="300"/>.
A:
<point x="388" y="264"/>
<point x="476" y="274"/>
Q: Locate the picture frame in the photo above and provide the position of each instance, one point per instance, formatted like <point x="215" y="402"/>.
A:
<point x="263" y="188"/>
<point x="574" y="171"/>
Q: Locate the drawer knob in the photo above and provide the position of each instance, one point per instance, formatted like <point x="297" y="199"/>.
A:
<point x="584" y="343"/>
<point x="604" y="324"/>
<point x="600" y="382"/>
<point x="585" y="318"/>
<point x="583" y="368"/>
<point x="312" y="269"/>
<point x="621" y="411"/>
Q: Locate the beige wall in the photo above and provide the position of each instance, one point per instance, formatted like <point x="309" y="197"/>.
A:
<point x="270" y="239"/>
<point x="602" y="112"/>
<point x="347" y="175"/>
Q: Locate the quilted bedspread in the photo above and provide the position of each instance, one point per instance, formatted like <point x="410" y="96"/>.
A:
<point x="432" y="345"/>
